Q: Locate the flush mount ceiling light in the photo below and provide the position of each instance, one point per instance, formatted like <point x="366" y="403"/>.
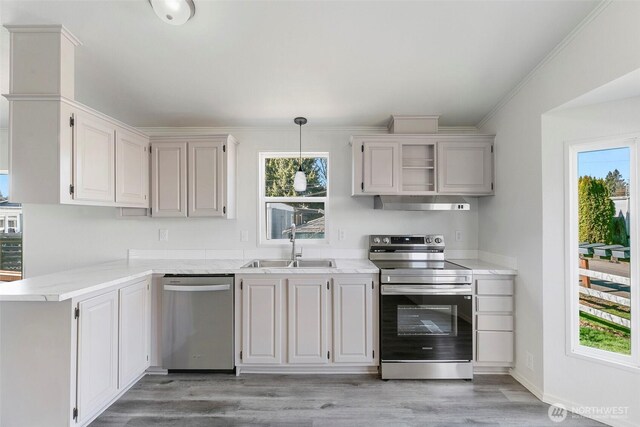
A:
<point x="300" y="180"/>
<point x="174" y="12"/>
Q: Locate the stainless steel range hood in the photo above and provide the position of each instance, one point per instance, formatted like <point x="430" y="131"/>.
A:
<point x="421" y="203"/>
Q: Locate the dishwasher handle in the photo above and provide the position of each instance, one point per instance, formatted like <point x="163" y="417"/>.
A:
<point x="204" y="288"/>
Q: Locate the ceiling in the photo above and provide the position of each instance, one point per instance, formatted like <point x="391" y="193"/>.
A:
<point x="340" y="63"/>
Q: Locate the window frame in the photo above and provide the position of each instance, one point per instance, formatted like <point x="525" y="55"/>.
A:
<point x="573" y="346"/>
<point x="263" y="199"/>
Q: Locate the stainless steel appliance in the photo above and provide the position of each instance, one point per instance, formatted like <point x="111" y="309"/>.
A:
<point x="197" y="322"/>
<point x="425" y="307"/>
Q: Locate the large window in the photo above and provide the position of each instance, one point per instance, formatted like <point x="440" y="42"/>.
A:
<point x="602" y="233"/>
<point x="281" y="205"/>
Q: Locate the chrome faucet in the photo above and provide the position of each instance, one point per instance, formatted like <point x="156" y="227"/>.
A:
<point x="292" y="239"/>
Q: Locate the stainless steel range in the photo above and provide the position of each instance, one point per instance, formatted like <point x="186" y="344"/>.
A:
<point x="426" y="327"/>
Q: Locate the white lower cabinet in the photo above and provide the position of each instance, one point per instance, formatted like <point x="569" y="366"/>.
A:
<point x="97" y="353"/>
<point x="307" y="320"/>
<point x="495" y="346"/>
<point x="315" y="320"/>
<point x="261" y="320"/>
<point x="134" y="338"/>
<point x="353" y="320"/>
<point x="90" y="350"/>
<point x="494" y="321"/>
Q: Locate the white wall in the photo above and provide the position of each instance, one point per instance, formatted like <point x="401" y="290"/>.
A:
<point x="621" y="386"/>
<point x="59" y="237"/>
<point x="512" y="222"/>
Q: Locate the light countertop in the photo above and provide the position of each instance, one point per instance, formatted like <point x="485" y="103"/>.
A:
<point x="482" y="267"/>
<point x="69" y="284"/>
<point x="75" y="283"/>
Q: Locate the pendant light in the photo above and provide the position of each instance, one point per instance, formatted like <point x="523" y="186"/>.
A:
<point x="173" y="12"/>
<point x="300" y="180"/>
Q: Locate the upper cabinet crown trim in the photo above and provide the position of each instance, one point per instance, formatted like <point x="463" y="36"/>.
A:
<point x="76" y="105"/>
<point x="203" y="137"/>
<point x="44" y="29"/>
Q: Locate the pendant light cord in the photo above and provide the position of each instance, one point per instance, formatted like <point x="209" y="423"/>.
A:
<point x="300" y="162"/>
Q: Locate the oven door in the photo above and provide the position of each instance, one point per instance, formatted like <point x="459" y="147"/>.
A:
<point x="432" y="327"/>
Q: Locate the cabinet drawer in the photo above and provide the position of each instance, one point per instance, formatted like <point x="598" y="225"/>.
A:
<point x="494" y="346"/>
<point x="494" y="287"/>
<point x="493" y="304"/>
<point x="494" y="322"/>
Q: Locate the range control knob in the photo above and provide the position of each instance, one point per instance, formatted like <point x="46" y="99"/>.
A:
<point x="376" y="240"/>
<point x="385" y="240"/>
<point x="438" y="240"/>
<point x="428" y="240"/>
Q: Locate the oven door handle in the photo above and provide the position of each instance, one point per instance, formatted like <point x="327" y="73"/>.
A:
<point x="421" y="290"/>
<point x="389" y="278"/>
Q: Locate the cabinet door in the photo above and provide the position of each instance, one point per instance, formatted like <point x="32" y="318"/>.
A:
<point x="307" y="320"/>
<point x="465" y="167"/>
<point x="380" y="169"/>
<point x="97" y="353"/>
<point x="206" y="178"/>
<point x="93" y="159"/>
<point x="132" y="169"/>
<point x="352" y="320"/>
<point x="134" y="332"/>
<point x="261" y="321"/>
<point x="494" y="346"/>
<point x="169" y="179"/>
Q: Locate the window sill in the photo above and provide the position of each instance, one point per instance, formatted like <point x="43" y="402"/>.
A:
<point x="588" y="356"/>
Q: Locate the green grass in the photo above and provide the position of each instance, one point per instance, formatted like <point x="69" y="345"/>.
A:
<point x="606" y="306"/>
<point x="601" y="335"/>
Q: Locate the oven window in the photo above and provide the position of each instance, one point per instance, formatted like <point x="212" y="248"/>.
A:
<point x="427" y="319"/>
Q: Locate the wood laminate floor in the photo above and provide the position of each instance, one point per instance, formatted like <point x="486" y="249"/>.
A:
<point x="192" y="400"/>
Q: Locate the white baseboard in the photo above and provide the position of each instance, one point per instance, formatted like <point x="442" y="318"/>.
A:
<point x="319" y="370"/>
<point x="535" y="390"/>
<point x="551" y="400"/>
<point x="615" y="422"/>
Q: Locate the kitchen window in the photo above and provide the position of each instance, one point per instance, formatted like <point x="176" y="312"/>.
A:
<point x="281" y="205"/>
<point x="603" y="293"/>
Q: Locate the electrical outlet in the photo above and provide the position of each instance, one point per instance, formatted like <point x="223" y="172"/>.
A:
<point x="529" y="361"/>
<point x="163" y="235"/>
<point x="244" y="235"/>
<point x="458" y="236"/>
<point x="341" y="234"/>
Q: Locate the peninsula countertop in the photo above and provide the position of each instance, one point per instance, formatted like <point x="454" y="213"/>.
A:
<point x="74" y="283"/>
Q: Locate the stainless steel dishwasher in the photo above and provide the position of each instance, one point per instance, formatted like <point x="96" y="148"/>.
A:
<point x="197" y="322"/>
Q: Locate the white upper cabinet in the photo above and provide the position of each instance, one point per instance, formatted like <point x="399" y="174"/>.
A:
<point x="169" y="179"/>
<point x="63" y="151"/>
<point x="465" y="167"/>
<point x="93" y="159"/>
<point x="307" y="320"/>
<point x="422" y="165"/>
<point x="206" y="189"/>
<point x="194" y="177"/>
<point x="132" y="169"/>
<point x="380" y="167"/>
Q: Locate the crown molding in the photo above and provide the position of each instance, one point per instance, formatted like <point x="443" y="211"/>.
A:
<point x="213" y="130"/>
<point x="550" y="56"/>
<point x="44" y="29"/>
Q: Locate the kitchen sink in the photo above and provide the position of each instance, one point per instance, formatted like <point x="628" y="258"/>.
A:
<point x="314" y="263"/>
<point x="285" y="263"/>
<point x="267" y="263"/>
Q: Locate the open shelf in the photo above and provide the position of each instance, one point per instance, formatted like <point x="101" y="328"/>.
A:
<point x="418" y="167"/>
